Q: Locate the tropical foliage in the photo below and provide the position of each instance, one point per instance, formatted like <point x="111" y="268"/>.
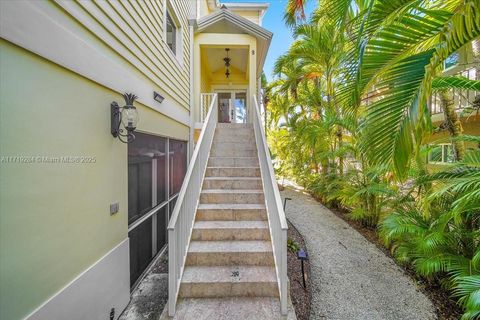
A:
<point x="347" y="117"/>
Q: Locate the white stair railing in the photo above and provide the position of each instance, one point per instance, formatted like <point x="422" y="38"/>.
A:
<point x="205" y="103"/>
<point x="183" y="216"/>
<point x="276" y="216"/>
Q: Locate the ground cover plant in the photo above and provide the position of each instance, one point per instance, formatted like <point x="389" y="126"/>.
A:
<point x="347" y="117"/>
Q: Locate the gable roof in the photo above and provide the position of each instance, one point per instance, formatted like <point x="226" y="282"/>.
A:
<point x="225" y="21"/>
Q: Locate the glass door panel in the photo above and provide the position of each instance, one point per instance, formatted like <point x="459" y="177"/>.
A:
<point x="224" y="99"/>
<point x="240" y="107"/>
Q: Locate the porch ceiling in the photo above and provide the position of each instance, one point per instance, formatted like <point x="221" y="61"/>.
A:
<point x="214" y="58"/>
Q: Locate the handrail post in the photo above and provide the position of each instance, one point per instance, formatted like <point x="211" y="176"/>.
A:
<point x="283" y="284"/>
<point x="276" y="216"/>
<point x="183" y="216"/>
<point x="173" y="276"/>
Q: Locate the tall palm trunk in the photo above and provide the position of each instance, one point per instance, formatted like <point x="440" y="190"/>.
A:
<point x="340" y="144"/>
<point x="332" y="104"/>
<point x="454" y="125"/>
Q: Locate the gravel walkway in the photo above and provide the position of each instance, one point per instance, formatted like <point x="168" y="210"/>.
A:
<point x="351" y="277"/>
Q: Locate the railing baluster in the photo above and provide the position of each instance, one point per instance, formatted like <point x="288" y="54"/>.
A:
<point x="276" y="216"/>
<point x="182" y="219"/>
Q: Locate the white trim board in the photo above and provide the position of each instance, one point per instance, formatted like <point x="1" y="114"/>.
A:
<point x="93" y="293"/>
<point x="263" y="36"/>
<point x="26" y="24"/>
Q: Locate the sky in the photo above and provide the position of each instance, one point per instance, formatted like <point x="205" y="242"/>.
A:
<point x="282" y="35"/>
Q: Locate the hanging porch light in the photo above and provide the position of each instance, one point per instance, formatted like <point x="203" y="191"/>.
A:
<point x="227" y="63"/>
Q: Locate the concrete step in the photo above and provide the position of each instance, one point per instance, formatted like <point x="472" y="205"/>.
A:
<point x="235" y="125"/>
<point x="231" y="212"/>
<point x="228" y="281"/>
<point x="233" y="162"/>
<point x="232" y="172"/>
<point x="252" y="183"/>
<point x="229" y="308"/>
<point x="222" y="152"/>
<point x="240" y="145"/>
<point x="238" y="132"/>
<point x="230" y="230"/>
<point x="234" y="137"/>
<point x="232" y="196"/>
<point x="230" y="253"/>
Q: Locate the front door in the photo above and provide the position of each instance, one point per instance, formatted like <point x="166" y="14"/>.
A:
<point x="232" y="106"/>
<point x="224" y="106"/>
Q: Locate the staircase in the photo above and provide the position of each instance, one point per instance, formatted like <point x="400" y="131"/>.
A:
<point x="230" y="256"/>
<point x="227" y="235"/>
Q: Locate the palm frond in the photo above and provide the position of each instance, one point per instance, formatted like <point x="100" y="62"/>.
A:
<point x="455" y="82"/>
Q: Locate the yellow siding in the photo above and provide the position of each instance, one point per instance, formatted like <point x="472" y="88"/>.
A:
<point x="54" y="219"/>
<point x="135" y="31"/>
<point x="203" y="8"/>
<point x="205" y="78"/>
<point x="471" y="126"/>
<point x="249" y="14"/>
<point x="52" y="108"/>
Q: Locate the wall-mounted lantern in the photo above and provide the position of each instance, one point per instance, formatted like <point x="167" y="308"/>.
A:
<point x="126" y="116"/>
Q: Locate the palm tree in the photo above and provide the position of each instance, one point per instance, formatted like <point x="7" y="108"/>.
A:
<point x="400" y="46"/>
<point x="357" y="80"/>
<point x="443" y="85"/>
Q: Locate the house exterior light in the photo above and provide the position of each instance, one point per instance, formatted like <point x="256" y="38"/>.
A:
<point x="158" y="97"/>
<point x="302" y="256"/>
<point x="227" y="61"/>
<point x="127" y="116"/>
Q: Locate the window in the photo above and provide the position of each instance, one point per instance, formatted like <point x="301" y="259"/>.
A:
<point x="441" y="153"/>
<point x="451" y="60"/>
<point x="154" y="181"/>
<point x="171" y="33"/>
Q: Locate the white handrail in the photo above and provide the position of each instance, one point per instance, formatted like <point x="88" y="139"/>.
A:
<point x="183" y="216"/>
<point x="205" y="104"/>
<point x="276" y="216"/>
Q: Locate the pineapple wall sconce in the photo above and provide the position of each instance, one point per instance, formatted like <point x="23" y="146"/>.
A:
<point x="126" y="116"/>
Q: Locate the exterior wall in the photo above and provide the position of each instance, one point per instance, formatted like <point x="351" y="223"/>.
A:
<point x="203" y="9"/>
<point x="252" y="15"/>
<point x="471" y="126"/>
<point x="470" y="122"/>
<point x="62" y="64"/>
<point x="119" y="44"/>
<point x="466" y="60"/>
<point x="204" y="77"/>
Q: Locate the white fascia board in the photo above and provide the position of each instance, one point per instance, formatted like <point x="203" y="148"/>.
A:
<point x="245" y="24"/>
<point x="263" y="36"/>
<point x="247" y="6"/>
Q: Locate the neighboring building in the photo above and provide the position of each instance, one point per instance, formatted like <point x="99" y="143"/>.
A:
<point x="466" y="63"/>
<point x="64" y="255"/>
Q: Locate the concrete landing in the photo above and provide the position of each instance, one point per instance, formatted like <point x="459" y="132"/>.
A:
<point x="236" y="308"/>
